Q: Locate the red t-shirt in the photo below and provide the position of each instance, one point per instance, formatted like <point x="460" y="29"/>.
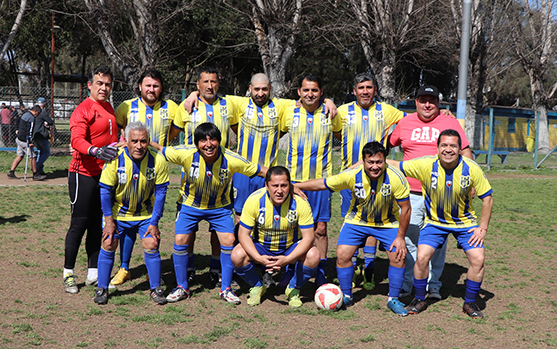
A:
<point x="419" y="138"/>
<point x="6" y="113"/>
<point x="91" y="124"/>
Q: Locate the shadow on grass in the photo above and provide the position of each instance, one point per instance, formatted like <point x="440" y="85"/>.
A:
<point x="14" y="219"/>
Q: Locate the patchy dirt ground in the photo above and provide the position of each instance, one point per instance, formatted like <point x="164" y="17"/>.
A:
<point x="518" y="295"/>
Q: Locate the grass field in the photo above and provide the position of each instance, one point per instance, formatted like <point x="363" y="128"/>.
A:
<point x="519" y="292"/>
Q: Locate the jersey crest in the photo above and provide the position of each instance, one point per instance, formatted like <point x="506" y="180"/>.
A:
<point x="150" y="173"/>
<point x="292" y="216"/>
<point x="465" y="182"/>
<point x="223" y="174"/>
<point x="385" y="189"/>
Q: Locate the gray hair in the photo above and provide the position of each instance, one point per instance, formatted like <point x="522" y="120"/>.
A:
<point x="136" y="126"/>
<point x="362" y="77"/>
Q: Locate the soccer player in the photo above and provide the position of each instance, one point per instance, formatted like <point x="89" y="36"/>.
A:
<point x="276" y="229"/>
<point x="447" y="181"/>
<point x="93" y="134"/>
<point x="365" y="120"/>
<point x="378" y="191"/>
<point x="205" y="195"/>
<point x="157" y="114"/>
<point x="133" y="191"/>
<point x="310" y="155"/>
<point x="216" y="109"/>
<point x="417" y="133"/>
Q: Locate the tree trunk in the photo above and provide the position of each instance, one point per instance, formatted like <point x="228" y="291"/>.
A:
<point x="15" y="27"/>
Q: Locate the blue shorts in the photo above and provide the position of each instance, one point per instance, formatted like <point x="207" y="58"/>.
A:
<point x="132" y="227"/>
<point x="243" y="186"/>
<point x="356" y="235"/>
<point x="219" y="219"/>
<point x="435" y="236"/>
<point x="320" y="203"/>
<point x="265" y="252"/>
<point x="345" y="199"/>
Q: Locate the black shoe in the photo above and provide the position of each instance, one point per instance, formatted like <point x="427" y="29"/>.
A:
<point x="101" y="295"/>
<point x="472" y="310"/>
<point x="11" y="174"/>
<point x="157" y="295"/>
<point x="215" y="279"/>
<point x="268" y="280"/>
<point x="38" y="177"/>
<point x="191" y="276"/>
<point x="416" y="306"/>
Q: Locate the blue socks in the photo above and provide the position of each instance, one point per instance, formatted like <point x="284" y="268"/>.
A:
<point x="249" y="274"/>
<point x="180" y="257"/>
<point x="396" y="279"/>
<point x="344" y="276"/>
<point x="420" y="288"/>
<point x="320" y="278"/>
<point x="369" y="256"/>
<point x="302" y="274"/>
<point x="472" y="290"/>
<point x="227" y="267"/>
<point x="104" y="265"/>
<point x="153" y="264"/>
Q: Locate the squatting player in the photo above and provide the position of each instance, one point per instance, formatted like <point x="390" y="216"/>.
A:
<point x="133" y="191"/>
<point x="378" y="192"/>
<point x="157" y="114"/>
<point x="447" y="181"/>
<point x="205" y="195"/>
<point x="310" y="155"/>
<point x="276" y="229"/>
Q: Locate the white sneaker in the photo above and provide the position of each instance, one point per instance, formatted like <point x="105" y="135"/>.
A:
<point x="229" y="296"/>
<point x="177" y="294"/>
<point x="434" y="293"/>
<point x="91" y="282"/>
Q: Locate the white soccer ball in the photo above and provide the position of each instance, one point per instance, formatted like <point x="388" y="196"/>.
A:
<point x="328" y="297"/>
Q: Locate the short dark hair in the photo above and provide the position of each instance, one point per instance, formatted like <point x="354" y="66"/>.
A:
<point x="208" y="70"/>
<point x="151" y="73"/>
<point x="452" y="133"/>
<point x="101" y="69"/>
<point x="372" y="148"/>
<point x="279" y="171"/>
<point x="36" y="108"/>
<point x="204" y="130"/>
<point x="313" y="78"/>
<point x="362" y="77"/>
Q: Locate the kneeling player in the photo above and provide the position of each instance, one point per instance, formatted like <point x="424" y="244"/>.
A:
<point x="276" y="229"/>
<point x="378" y="191"/>
<point x="133" y="191"/>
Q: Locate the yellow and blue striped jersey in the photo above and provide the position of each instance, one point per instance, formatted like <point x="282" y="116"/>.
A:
<point x="207" y="186"/>
<point x="276" y="227"/>
<point x="448" y="194"/>
<point x="311" y="142"/>
<point x="360" y="126"/>
<point x="221" y="113"/>
<point x="258" y="131"/>
<point x="157" y="118"/>
<point x="133" y="183"/>
<point x="374" y="202"/>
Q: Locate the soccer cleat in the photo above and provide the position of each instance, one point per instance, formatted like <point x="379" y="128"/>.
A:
<point x="69" y="283"/>
<point x="215" y="278"/>
<point x="369" y="283"/>
<point x="255" y="294"/>
<point x="157" y="295"/>
<point x="91" y="282"/>
<point x="434" y="293"/>
<point x="191" y="277"/>
<point x="397" y="307"/>
<point x="472" y="310"/>
<point x="11" y="174"/>
<point x="347" y="301"/>
<point x="177" y="294"/>
<point x="267" y="279"/>
<point x="293" y="296"/>
<point x="121" y="276"/>
<point x="416" y="306"/>
<point x="101" y="296"/>
<point x="229" y="296"/>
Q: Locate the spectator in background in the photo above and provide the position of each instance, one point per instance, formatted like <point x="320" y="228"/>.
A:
<point x="24" y="142"/>
<point x="6" y="118"/>
<point x="41" y="135"/>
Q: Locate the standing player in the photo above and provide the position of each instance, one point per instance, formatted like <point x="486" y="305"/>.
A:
<point x="365" y="120"/>
<point x="378" y="192"/>
<point x="310" y="155"/>
<point x="133" y="191"/>
<point x="447" y="181"/>
<point x="210" y="107"/>
<point x="281" y="224"/>
<point x="205" y="195"/>
<point x="93" y="132"/>
<point x="24" y="141"/>
<point x="417" y="133"/>
<point x="157" y="114"/>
